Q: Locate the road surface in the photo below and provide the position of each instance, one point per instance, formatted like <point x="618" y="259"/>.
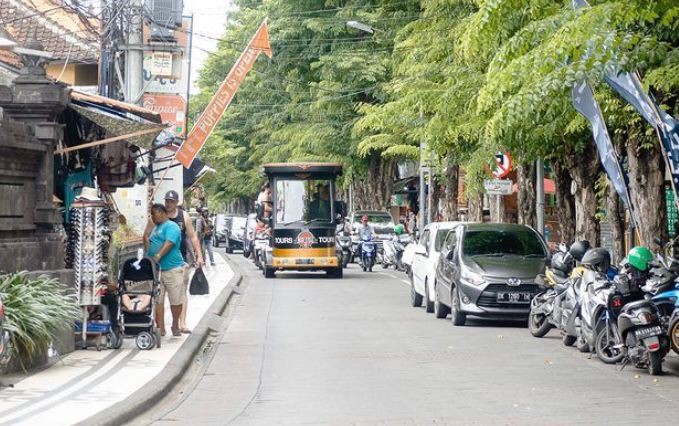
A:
<point x="303" y="349"/>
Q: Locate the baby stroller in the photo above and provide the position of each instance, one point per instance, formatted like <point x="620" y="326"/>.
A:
<point x="138" y="290"/>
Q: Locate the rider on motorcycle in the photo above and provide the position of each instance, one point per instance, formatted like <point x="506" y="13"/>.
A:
<point x="364" y="229"/>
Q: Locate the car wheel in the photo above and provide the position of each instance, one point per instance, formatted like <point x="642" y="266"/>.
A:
<point x="458" y="318"/>
<point x="415" y="297"/>
<point x="428" y="304"/>
<point x="440" y="310"/>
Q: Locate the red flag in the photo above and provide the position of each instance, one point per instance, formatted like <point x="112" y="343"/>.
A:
<point x="221" y="100"/>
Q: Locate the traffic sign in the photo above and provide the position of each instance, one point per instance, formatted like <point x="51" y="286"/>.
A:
<point x="503" y="165"/>
<point x="498" y="186"/>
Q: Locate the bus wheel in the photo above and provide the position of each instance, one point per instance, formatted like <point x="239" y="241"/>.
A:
<point x="335" y="272"/>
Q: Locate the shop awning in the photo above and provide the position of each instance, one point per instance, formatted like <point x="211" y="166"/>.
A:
<point x="121" y="121"/>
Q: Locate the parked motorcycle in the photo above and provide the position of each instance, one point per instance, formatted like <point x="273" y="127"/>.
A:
<point x="368" y="253"/>
<point x="5" y="340"/>
<point x="633" y="330"/>
<point x="595" y="287"/>
<point x="554" y="283"/>
<point x="393" y="249"/>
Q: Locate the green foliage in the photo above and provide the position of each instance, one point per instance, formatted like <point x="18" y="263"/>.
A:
<point x="464" y="77"/>
<point x="34" y="309"/>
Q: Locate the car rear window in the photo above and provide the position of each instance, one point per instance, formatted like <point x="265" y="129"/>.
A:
<point x="501" y="242"/>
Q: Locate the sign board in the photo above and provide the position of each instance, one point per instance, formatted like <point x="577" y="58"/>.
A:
<point x="172" y="110"/>
<point x="503" y="165"/>
<point x="177" y="83"/>
<point x="161" y="64"/>
<point x="498" y="186"/>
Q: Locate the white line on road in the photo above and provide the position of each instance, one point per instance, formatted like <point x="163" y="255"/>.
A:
<point x="406" y="282"/>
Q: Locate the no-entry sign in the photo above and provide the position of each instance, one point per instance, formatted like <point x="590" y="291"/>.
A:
<point x="503" y="165"/>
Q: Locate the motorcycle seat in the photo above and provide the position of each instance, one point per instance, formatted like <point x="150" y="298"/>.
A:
<point x="635" y="305"/>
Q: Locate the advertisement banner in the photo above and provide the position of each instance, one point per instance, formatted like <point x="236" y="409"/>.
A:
<point x="585" y="104"/>
<point x="172" y="110"/>
<point x="221" y="100"/>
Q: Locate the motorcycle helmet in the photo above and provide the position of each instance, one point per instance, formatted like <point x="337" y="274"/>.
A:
<point x="597" y="259"/>
<point x="578" y="249"/>
<point x="640" y="258"/>
<point x="399" y="229"/>
<point x="562" y="262"/>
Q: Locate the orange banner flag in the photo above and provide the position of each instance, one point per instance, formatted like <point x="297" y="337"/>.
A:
<point x="221" y="100"/>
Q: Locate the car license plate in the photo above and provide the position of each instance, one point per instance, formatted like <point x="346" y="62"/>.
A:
<point x="304" y="261"/>
<point x="513" y="297"/>
<point x="648" y="332"/>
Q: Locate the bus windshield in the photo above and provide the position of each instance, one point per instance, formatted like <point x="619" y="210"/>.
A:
<point x="303" y="200"/>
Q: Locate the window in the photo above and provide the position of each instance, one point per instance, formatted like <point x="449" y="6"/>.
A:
<point x="502" y="242"/>
<point x="441" y="236"/>
<point x="424" y="239"/>
<point x="451" y="240"/>
<point x="303" y="200"/>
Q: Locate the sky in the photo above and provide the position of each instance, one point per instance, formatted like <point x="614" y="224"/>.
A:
<point x="209" y="18"/>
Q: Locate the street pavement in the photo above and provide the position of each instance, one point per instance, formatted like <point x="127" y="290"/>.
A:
<point x="87" y="382"/>
<point x="303" y="349"/>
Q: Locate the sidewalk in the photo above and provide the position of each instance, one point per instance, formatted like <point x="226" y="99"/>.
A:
<point x="87" y="382"/>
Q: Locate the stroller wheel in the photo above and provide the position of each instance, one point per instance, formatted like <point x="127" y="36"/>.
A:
<point x="156" y="334"/>
<point x="145" y="341"/>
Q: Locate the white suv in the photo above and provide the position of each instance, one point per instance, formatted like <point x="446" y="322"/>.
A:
<point x="423" y="268"/>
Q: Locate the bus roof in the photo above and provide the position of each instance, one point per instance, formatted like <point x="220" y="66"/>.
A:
<point x="295" y="168"/>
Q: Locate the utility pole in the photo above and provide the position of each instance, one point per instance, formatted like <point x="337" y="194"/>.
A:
<point x="540" y="196"/>
<point x="421" y="213"/>
<point x="134" y="62"/>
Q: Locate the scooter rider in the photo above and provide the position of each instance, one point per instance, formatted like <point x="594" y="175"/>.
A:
<point x="364" y="229"/>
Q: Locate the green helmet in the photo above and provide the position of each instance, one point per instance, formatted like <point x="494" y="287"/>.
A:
<point x="640" y="257"/>
<point x="399" y="229"/>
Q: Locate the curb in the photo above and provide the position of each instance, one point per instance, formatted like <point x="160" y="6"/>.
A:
<point x="139" y="401"/>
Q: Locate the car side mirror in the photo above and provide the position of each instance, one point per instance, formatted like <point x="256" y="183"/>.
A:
<point x="450" y="255"/>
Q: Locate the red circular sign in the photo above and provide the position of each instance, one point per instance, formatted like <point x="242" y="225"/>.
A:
<point x="503" y="165"/>
<point x="305" y="239"/>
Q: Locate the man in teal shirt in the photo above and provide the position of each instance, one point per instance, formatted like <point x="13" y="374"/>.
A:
<point x="164" y="247"/>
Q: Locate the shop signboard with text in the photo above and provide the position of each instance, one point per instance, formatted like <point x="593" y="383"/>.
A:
<point x="172" y="110"/>
<point x="176" y="83"/>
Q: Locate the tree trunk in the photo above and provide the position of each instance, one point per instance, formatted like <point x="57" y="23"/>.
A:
<point x="373" y="191"/>
<point x="615" y="215"/>
<point x="435" y="198"/>
<point x="450" y="211"/>
<point x="526" y="195"/>
<point x="647" y="189"/>
<point x="584" y="169"/>
<point x="475" y="208"/>
<point x="565" y="202"/>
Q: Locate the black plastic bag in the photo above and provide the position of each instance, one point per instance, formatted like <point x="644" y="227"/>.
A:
<point x="199" y="284"/>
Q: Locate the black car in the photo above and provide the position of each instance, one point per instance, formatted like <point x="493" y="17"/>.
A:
<point x="488" y="270"/>
<point x="236" y="233"/>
